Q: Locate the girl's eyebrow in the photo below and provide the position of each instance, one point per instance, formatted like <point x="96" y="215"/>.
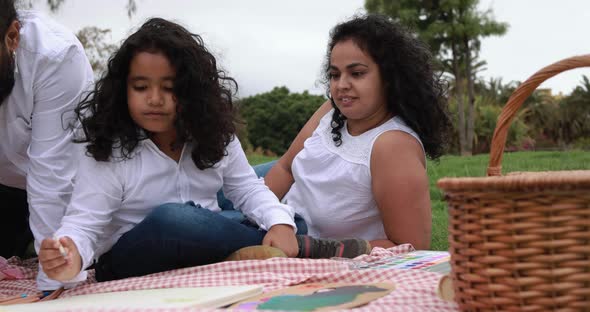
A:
<point x="138" y="78"/>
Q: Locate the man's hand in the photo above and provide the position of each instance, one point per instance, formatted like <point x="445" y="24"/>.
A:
<point x="282" y="236"/>
<point x="57" y="266"/>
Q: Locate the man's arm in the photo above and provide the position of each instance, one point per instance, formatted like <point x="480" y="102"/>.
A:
<point x="57" y="88"/>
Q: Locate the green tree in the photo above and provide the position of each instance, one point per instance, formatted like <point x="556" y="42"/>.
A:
<point x="274" y="118"/>
<point x="487" y="113"/>
<point x="575" y="115"/>
<point x="97" y="48"/>
<point x="552" y="121"/>
<point x="495" y="91"/>
<point x="453" y="29"/>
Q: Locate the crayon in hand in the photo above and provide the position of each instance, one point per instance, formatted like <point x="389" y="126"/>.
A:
<point x="62" y="250"/>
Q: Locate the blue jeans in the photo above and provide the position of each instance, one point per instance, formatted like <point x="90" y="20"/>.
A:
<point x="175" y="236"/>
<point x="178" y="235"/>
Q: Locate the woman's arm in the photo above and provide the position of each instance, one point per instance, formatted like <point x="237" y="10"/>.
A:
<point x="279" y="178"/>
<point x="400" y="187"/>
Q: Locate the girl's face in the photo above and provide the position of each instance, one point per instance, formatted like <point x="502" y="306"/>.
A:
<point x="355" y="83"/>
<point x="150" y="96"/>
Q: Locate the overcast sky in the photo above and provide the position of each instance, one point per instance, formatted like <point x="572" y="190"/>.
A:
<point x="268" y="43"/>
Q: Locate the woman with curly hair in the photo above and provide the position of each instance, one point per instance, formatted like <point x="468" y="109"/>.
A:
<point x="357" y="169"/>
<point x="159" y="129"/>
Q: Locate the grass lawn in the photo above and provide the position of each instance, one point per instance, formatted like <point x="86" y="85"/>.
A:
<point x="456" y="166"/>
<point x="255" y="159"/>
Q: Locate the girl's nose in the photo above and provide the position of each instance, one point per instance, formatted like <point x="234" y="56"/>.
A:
<point x="156" y="98"/>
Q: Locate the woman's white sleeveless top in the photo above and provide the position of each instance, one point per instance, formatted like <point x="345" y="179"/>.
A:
<point x="332" y="189"/>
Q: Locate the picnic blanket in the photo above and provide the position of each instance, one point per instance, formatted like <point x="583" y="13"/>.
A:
<point x="415" y="289"/>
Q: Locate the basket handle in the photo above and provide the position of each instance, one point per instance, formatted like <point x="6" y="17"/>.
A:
<point x="515" y="101"/>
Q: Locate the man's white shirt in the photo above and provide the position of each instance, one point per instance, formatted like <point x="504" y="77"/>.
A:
<point x="36" y="151"/>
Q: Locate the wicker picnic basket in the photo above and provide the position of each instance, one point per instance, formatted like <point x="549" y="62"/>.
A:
<point x="521" y="242"/>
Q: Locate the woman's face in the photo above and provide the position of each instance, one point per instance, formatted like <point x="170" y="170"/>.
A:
<point x="150" y="96"/>
<point x="355" y="82"/>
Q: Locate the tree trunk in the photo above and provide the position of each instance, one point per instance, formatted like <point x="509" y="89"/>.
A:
<point x="471" y="100"/>
<point x="459" y="97"/>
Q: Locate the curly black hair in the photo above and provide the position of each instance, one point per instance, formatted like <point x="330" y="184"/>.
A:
<point x="7" y="61"/>
<point x="413" y="90"/>
<point x="205" y="108"/>
<point x="7" y="16"/>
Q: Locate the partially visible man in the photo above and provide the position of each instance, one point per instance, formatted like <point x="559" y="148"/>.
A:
<point x="43" y="74"/>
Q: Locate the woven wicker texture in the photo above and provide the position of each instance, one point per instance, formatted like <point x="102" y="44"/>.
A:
<point x="521" y="242"/>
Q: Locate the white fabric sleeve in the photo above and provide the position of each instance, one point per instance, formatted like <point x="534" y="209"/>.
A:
<point x="57" y="90"/>
<point x="249" y="193"/>
<point x="45" y="283"/>
<point x="51" y="169"/>
<point x="98" y="192"/>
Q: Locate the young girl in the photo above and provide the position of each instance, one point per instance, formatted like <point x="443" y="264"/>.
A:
<point x="160" y="143"/>
<point x="358" y="167"/>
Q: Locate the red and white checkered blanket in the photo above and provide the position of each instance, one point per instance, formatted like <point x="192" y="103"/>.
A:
<point x="415" y="289"/>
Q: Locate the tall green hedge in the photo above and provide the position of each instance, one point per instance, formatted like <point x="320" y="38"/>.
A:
<point x="274" y="118"/>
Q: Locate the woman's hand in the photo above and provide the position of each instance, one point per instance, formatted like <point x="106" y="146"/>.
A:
<point x="56" y="265"/>
<point x="282" y="236"/>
